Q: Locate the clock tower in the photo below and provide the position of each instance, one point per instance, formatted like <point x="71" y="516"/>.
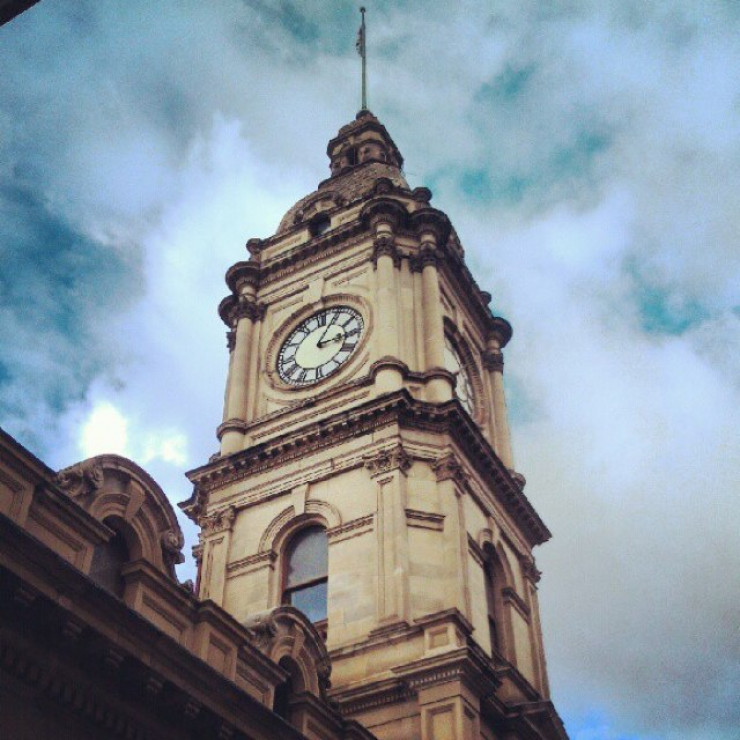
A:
<point x="365" y="472"/>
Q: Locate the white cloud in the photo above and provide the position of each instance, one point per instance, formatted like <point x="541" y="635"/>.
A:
<point x="105" y="431"/>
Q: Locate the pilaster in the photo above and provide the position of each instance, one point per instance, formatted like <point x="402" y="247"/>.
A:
<point x="388" y="469"/>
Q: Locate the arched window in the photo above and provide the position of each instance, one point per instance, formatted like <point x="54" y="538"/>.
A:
<point x="107" y="561"/>
<point x="496" y="582"/>
<point x="492" y="609"/>
<point x="305" y="573"/>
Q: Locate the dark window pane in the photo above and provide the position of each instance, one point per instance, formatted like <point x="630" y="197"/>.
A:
<point x="307" y="557"/>
<point x="311" y="600"/>
<point x="107" y="561"/>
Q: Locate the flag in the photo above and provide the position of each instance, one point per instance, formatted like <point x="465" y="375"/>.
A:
<point x="360" y="43"/>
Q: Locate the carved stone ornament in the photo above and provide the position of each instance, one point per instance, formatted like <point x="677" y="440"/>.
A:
<point x="531" y="571"/>
<point x="262" y="629"/>
<point x="386" y="460"/>
<point x="198" y="553"/>
<point x="248" y="309"/>
<point x="448" y="468"/>
<point x="519" y="479"/>
<point x="493" y="360"/>
<point x="172" y="543"/>
<point x="385" y="245"/>
<point x="83" y="479"/>
<point x="219" y="521"/>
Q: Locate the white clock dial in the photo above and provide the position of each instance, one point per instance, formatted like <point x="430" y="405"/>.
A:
<point x="463" y="387"/>
<point x="320" y="345"/>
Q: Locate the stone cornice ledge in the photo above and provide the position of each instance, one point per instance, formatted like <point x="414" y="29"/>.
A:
<point x="393" y="408"/>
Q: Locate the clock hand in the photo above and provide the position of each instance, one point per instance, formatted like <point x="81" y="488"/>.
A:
<point x="324" y="342"/>
<point x="333" y="319"/>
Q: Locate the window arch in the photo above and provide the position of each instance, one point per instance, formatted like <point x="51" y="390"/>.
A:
<point x="109" y="558"/>
<point x="306" y="571"/>
<point x="495" y="583"/>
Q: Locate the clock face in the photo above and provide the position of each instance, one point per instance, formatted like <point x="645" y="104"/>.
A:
<point x="320" y="345"/>
<point x="463" y="387"/>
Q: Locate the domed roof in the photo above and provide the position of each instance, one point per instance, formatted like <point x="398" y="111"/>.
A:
<point x="360" y="154"/>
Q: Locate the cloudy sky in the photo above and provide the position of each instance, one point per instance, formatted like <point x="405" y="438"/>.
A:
<point x="588" y="154"/>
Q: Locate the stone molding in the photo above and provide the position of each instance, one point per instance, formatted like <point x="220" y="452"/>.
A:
<point x="231" y="425"/>
<point x="251" y="563"/>
<point x="512" y="597"/>
<point x="285" y="631"/>
<point x="241" y="274"/>
<point x="352" y="528"/>
<point x="398" y="408"/>
<point x="425" y="520"/>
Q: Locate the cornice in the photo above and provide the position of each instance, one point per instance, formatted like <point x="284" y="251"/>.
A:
<point x="397" y="408"/>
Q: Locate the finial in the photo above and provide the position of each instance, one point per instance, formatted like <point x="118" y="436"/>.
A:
<point x="361" y="50"/>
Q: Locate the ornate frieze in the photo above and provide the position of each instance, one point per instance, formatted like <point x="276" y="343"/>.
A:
<point x="82" y="479"/>
<point x="384" y="461"/>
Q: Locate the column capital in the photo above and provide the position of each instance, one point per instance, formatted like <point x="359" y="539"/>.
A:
<point x="219" y="521"/>
<point x="387" y="460"/>
<point x="232" y="308"/>
<point x="448" y="467"/>
<point x="384" y="245"/>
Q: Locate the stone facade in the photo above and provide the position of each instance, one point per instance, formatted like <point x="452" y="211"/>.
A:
<point x="416" y="493"/>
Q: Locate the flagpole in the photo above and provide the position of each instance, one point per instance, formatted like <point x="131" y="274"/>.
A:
<point x="364" y="61"/>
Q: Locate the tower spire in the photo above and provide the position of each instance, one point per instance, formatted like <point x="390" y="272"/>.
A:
<point x="361" y="50"/>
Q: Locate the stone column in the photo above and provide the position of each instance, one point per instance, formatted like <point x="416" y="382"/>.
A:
<point x="241" y="311"/>
<point x="493" y="360"/>
<point x="385" y="255"/>
<point x="433" y="230"/>
<point x="439" y="386"/>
